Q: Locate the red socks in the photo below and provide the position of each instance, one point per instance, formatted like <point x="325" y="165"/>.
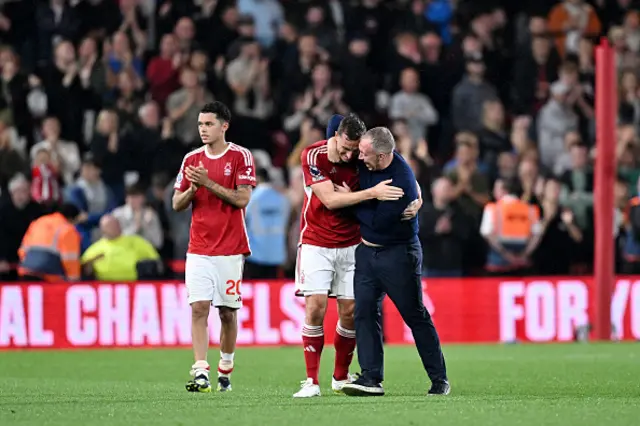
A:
<point x="345" y="344"/>
<point x="313" y="342"/>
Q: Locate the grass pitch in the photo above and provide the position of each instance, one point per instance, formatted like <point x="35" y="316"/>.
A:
<point x="570" y="384"/>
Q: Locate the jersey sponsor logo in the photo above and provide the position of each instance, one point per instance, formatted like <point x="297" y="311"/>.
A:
<point x="316" y="174"/>
<point x="248" y="172"/>
<point x="227" y="169"/>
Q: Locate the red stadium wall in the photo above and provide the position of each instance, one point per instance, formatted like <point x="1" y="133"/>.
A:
<point x="106" y="315"/>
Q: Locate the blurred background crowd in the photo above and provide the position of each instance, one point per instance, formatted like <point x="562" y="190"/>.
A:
<point x="100" y="98"/>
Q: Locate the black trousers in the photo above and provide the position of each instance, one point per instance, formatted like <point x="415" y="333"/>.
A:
<point x="393" y="270"/>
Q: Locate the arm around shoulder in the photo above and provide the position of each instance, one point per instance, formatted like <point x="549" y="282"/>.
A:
<point x="333" y="199"/>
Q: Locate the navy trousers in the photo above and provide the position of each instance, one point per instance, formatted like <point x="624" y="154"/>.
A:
<point x="393" y="270"/>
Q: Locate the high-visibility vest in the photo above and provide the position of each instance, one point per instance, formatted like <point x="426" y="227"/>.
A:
<point x="513" y="220"/>
<point x="51" y="249"/>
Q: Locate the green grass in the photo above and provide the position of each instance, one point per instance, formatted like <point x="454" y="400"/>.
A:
<point x="565" y="385"/>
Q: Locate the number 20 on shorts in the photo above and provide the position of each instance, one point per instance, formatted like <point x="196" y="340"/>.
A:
<point x="233" y="288"/>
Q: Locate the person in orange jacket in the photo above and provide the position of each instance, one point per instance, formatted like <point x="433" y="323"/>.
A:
<point x="50" y="249"/>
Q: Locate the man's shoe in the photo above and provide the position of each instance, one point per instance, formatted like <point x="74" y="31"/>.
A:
<point x="363" y="387"/>
<point x="337" y="385"/>
<point x="199" y="384"/>
<point x="440" y="388"/>
<point x="224" y="384"/>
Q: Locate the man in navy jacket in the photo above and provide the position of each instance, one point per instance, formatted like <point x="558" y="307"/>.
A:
<point x="389" y="261"/>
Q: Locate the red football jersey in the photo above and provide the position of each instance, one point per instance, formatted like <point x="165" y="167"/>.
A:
<point x="217" y="227"/>
<point x="320" y="226"/>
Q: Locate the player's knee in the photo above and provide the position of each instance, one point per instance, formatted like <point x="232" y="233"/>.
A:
<point x="315" y="307"/>
<point x="200" y="310"/>
<point x="346" y="309"/>
<point x="227" y="316"/>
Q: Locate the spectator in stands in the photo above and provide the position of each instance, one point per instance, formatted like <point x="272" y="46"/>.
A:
<point x="629" y="97"/>
<point x="414" y="107"/>
<point x="492" y="137"/>
<point x="529" y="177"/>
<point x="92" y="197"/>
<point x="93" y="73"/>
<point x="185" y="32"/>
<point x="11" y="161"/>
<point x="470" y="95"/>
<point x="578" y="185"/>
<point x="65" y="156"/>
<point x="136" y="218"/>
<point x="511" y="227"/>
<point x="63" y="88"/>
<point x="45" y="180"/>
<point x="56" y="20"/>
<point x="14" y="96"/>
<point x="559" y="233"/>
<point x="534" y="71"/>
<point x="109" y="148"/>
<point x="164" y="70"/>
<point x="556" y="118"/>
<point x="183" y="106"/>
<point x="444" y="230"/>
<point x="16" y="213"/>
<point x="570" y="20"/>
<point x="50" y="249"/>
<point x="127" y="98"/>
<point x="563" y="162"/>
<point x="358" y="81"/>
<point x="471" y="186"/>
<point x="267" y="218"/>
<point x="248" y="77"/>
<point x="268" y="15"/>
<point x="117" y="257"/>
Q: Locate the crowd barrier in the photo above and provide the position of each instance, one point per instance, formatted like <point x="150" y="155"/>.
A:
<point x="156" y="314"/>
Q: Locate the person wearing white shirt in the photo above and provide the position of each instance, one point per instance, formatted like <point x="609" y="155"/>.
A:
<point x="64" y="154"/>
<point x="137" y="219"/>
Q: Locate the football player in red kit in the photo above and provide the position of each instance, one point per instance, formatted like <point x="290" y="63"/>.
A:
<point x="328" y="238"/>
<point x="216" y="180"/>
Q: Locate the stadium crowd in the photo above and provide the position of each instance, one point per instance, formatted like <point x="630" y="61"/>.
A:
<point x="100" y="100"/>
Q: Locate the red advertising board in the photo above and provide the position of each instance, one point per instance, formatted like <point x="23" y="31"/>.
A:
<point x="103" y="315"/>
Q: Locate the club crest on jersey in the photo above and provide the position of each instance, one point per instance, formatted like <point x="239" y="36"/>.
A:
<point x="227" y="169"/>
<point x="315" y="173"/>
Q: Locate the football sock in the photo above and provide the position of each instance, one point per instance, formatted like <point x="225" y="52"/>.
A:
<point x="313" y="342"/>
<point x="200" y="368"/>
<point x="225" y="366"/>
<point x="345" y="344"/>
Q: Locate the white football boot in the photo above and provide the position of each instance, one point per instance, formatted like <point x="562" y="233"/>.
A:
<point x="308" y="389"/>
<point x="337" y="385"/>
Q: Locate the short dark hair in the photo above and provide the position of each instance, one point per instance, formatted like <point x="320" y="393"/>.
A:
<point x="219" y="109"/>
<point x="352" y="126"/>
<point x="511" y="185"/>
<point x="69" y="211"/>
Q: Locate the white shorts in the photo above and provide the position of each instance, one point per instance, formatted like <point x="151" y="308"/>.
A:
<point x="321" y="270"/>
<point x="214" y="278"/>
